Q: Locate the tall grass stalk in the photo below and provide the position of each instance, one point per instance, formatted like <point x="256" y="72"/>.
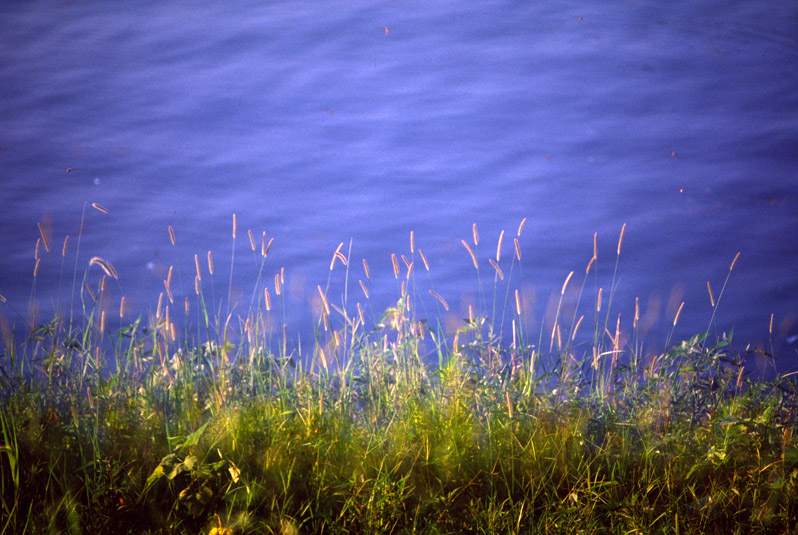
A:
<point x="388" y="425"/>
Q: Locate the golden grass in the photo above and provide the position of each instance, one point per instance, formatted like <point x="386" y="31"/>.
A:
<point x="678" y="312"/>
<point x="44" y="239"/>
<point x="424" y="259"/>
<point x="497" y="268"/>
<point x="106" y="266"/>
<point x="438" y="296"/>
<point x="620" y="238"/>
<point x="521" y="227"/>
<point x="99" y="208"/>
<point x="470" y="252"/>
<point x="499" y="247"/>
<point x="363" y="287"/>
<point x="337" y="254"/>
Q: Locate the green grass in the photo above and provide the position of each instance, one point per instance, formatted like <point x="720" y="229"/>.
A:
<point x="225" y="428"/>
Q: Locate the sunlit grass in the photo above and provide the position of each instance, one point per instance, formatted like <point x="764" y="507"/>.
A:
<point x="382" y="423"/>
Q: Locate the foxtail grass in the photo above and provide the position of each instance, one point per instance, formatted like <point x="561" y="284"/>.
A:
<point x="387" y="421"/>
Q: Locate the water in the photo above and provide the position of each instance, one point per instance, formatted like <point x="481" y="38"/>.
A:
<point x="321" y="124"/>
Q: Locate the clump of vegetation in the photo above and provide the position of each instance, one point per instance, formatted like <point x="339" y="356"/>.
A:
<point x="385" y="424"/>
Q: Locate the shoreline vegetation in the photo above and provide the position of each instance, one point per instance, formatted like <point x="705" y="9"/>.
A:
<point x="219" y="427"/>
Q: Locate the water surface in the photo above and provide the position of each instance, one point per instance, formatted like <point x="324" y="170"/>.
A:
<point x="321" y="123"/>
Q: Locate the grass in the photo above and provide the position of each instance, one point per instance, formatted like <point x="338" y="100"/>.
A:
<point x="218" y="426"/>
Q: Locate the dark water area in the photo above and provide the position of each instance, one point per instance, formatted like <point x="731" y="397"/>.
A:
<point x="322" y="123"/>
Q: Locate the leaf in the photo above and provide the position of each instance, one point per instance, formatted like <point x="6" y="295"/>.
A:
<point x="235" y="473"/>
<point x="193" y="439"/>
<point x="157" y="474"/>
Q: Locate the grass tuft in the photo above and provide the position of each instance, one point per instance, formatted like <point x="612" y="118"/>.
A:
<point x="211" y="423"/>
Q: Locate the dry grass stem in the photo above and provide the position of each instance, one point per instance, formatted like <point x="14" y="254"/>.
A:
<point x="576" y="327"/>
<point x="517" y="248"/>
<point x="47" y="242"/>
<point x="497" y="268"/>
<point x="637" y="312"/>
<point x="105" y="266"/>
<point x="268" y="247"/>
<point x="598" y="300"/>
<point x="395" y="266"/>
<point x="335" y="255"/>
<point x="234" y="226"/>
<point x="565" y="284"/>
<point x="363" y="287"/>
<point x="423" y="259"/>
<point x="589" y="265"/>
<point x="679" y="311"/>
<point x="210" y="263"/>
<point x="168" y="291"/>
<point x="36" y="249"/>
<point x="171" y="235"/>
<point x="470" y="252"/>
<point x="499" y="246"/>
<point x="731" y="267"/>
<point x="267" y="298"/>
<point x="196" y="263"/>
<point x="36" y="267"/>
<point x="521" y="227"/>
<point x="251" y="239"/>
<point x="277" y="285"/>
<point x="324" y="300"/>
<point x="711" y="297"/>
<point x="412" y="243"/>
<point x="517" y="303"/>
<point x="475" y="233"/>
<point x="620" y="238"/>
<point x="595" y="246"/>
<point x="100" y="208"/>
<point x="158" y="308"/>
<point x="437" y="296"/>
<point x="64" y="248"/>
<point x="366" y="269"/>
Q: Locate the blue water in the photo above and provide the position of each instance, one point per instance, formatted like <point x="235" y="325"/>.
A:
<point x="322" y="123"/>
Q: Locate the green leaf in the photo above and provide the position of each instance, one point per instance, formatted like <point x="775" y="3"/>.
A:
<point x="193" y="439"/>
